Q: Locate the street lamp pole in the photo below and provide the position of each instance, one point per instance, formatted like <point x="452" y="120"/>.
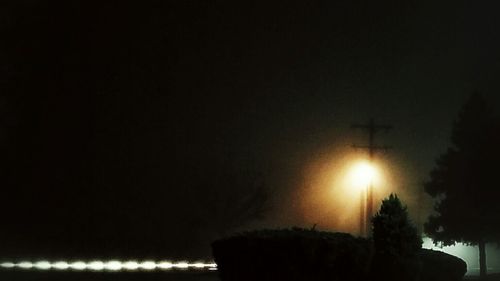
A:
<point x="362" y="212"/>
<point x="369" y="191"/>
<point x="366" y="209"/>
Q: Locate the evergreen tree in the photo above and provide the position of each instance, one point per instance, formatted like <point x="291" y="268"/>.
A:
<point x="465" y="183"/>
<point x="393" y="233"/>
<point x="396" y="242"/>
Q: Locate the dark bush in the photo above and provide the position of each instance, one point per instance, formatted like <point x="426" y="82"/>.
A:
<point x="295" y="254"/>
<point x="390" y="268"/>
<point x="439" y="266"/>
<point x="394" y="254"/>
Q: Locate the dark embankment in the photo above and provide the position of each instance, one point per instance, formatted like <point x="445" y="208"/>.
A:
<point x="295" y="254"/>
<point x="300" y="254"/>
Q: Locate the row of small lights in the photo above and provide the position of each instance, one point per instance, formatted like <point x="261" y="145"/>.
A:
<point x="108" y="266"/>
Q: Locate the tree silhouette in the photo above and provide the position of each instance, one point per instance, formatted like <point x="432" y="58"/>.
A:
<point x="393" y="232"/>
<point x="396" y="242"/>
<point x="465" y="182"/>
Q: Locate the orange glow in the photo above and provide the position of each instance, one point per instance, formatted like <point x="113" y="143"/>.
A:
<point x="332" y="185"/>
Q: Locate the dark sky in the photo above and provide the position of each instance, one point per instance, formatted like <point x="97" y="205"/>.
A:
<point x="119" y="118"/>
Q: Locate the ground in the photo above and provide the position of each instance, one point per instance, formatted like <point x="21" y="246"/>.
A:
<point x="491" y="277"/>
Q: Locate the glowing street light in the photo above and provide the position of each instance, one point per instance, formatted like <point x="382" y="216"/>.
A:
<point x="362" y="176"/>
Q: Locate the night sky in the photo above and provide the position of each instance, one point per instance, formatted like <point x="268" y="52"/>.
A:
<point x="119" y="121"/>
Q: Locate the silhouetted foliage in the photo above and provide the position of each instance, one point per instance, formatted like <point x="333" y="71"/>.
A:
<point x="393" y="232"/>
<point x="305" y="254"/>
<point x="396" y="241"/>
<point x="296" y="254"/>
<point x="465" y="181"/>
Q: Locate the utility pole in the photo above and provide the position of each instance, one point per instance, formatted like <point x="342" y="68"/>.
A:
<point x="366" y="209"/>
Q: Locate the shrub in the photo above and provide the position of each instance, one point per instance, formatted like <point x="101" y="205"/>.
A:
<point x="439" y="266"/>
<point x="296" y="254"/>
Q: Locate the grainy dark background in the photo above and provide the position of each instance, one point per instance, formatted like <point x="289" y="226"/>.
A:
<point x="112" y="113"/>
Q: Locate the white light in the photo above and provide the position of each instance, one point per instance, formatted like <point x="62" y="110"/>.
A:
<point x="198" y="265"/>
<point x="148" y="265"/>
<point x="181" y="265"/>
<point x="8" y="265"/>
<point x="61" y="265"/>
<point x="113" y="265"/>
<point x="78" y="265"/>
<point x="43" y="265"/>
<point x="96" y="265"/>
<point x="131" y="265"/>
<point x="25" y="265"/>
<point x="165" y="265"/>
